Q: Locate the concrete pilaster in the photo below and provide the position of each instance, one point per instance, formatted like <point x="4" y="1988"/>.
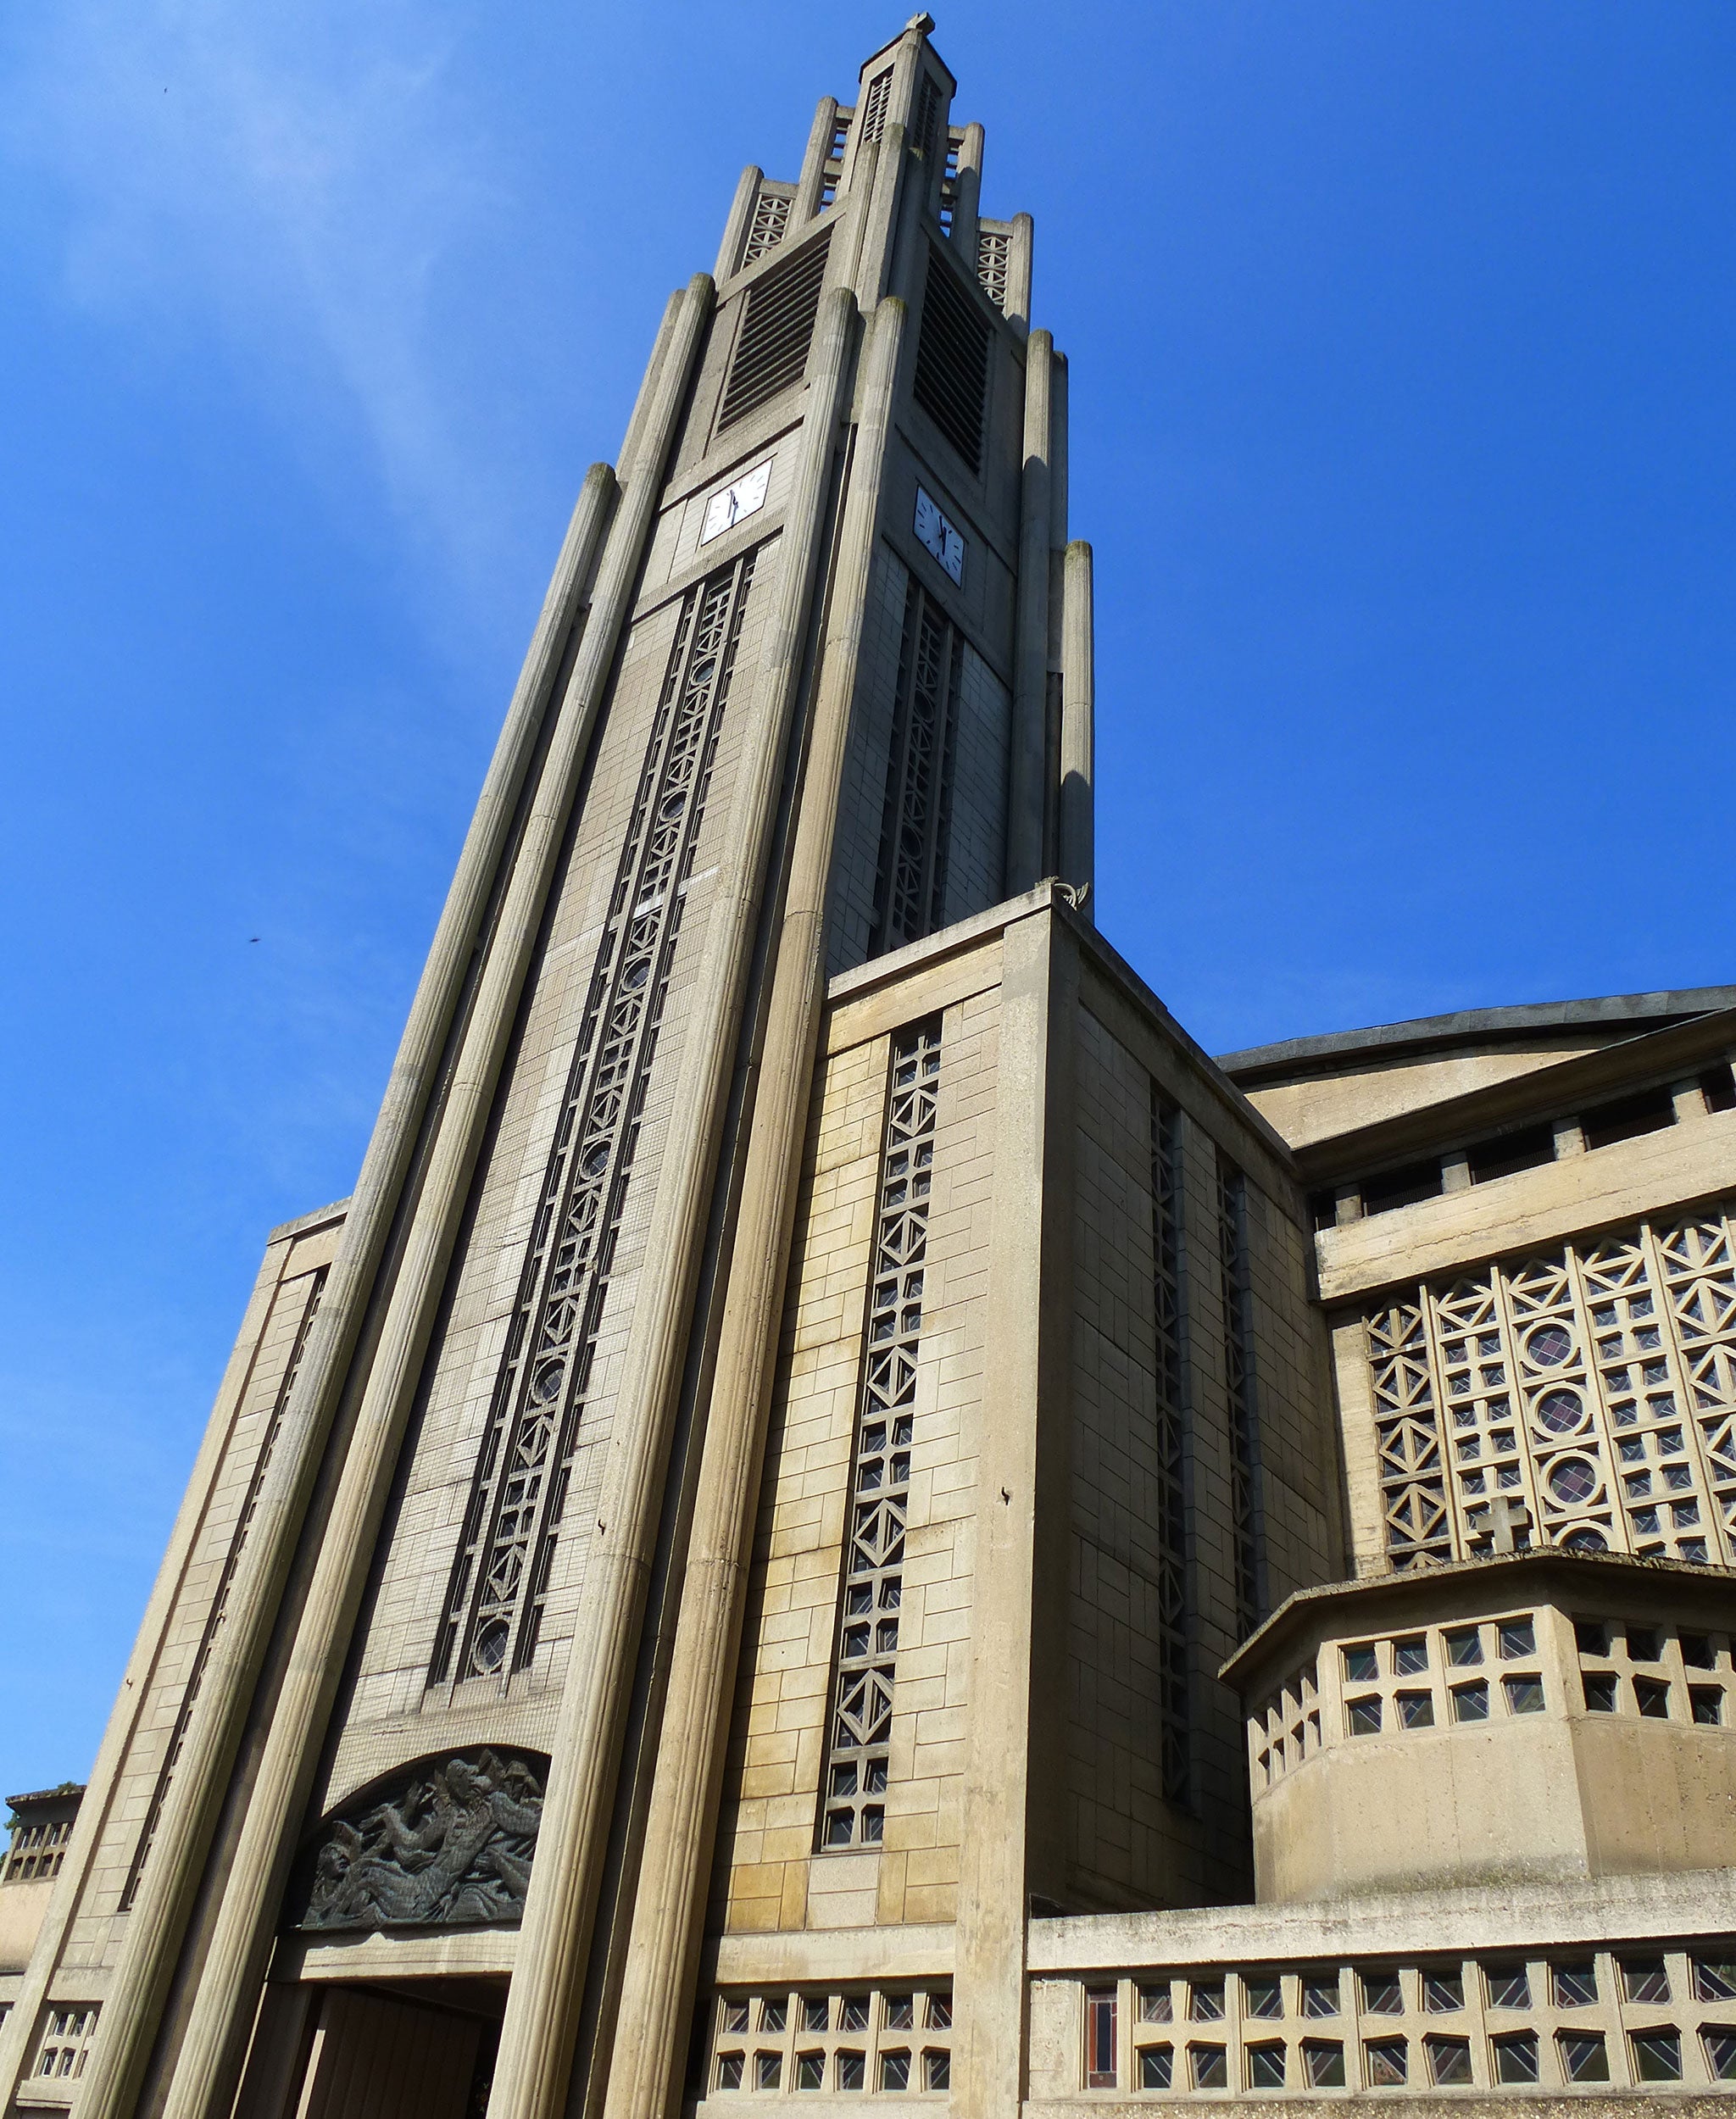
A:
<point x="1028" y="778"/>
<point x="1018" y="309"/>
<point x="657" y="1992"/>
<point x="234" y="1959"/>
<point x="989" y="1976"/>
<point x="812" y="176"/>
<point x="136" y="1687"/>
<point x="1078" y="729"/>
<point x="735" y="229"/>
<point x="157" y="1923"/>
<point x="967" y="202"/>
<point x="542" y="2017"/>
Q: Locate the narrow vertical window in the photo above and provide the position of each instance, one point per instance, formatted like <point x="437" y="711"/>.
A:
<point x="219" y="1602"/>
<point x="853" y="1807"/>
<point x="1100" y="2038"/>
<point x="506" y="1547"/>
<point x="1238" y="1385"/>
<point x="1173" y="1599"/>
<point x="910" y="895"/>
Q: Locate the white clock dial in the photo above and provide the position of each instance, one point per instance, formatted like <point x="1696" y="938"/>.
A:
<point x="746" y="497"/>
<point x="938" y="535"/>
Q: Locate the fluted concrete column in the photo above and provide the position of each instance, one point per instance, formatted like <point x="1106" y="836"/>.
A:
<point x="157" y="1924"/>
<point x="651" y="2035"/>
<point x="813" y="177"/>
<point x="878" y="227"/>
<point x="1027" y="780"/>
<point x="1078" y="854"/>
<point x="967" y="200"/>
<point x="1018" y="309"/>
<point x="735" y="229"/>
<point x="541" y="2024"/>
<point x="242" y="1931"/>
<point x="137" y="1687"/>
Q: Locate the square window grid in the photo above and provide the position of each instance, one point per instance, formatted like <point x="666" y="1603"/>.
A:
<point x="1663" y="1672"/>
<point x="65" y="2042"/>
<point x="889" y="2040"/>
<point x="1628" y="2018"/>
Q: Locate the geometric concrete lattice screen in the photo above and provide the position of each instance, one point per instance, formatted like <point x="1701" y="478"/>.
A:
<point x="1173" y="1600"/>
<point x="506" y="1548"/>
<point x="853" y="1808"/>
<point x="911" y="893"/>
<point x="446" y="1843"/>
<point x="1590" y="1392"/>
<point x="769" y="225"/>
<point x="994" y="256"/>
<point x="1238" y="1391"/>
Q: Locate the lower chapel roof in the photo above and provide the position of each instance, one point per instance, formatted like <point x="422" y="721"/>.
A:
<point x="1613" y="1013"/>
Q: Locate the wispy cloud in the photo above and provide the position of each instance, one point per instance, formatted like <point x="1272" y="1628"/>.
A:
<point x="290" y="180"/>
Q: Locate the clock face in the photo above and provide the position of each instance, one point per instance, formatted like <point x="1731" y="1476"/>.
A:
<point x="938" y="535"/>
<point x="746" y="497"/>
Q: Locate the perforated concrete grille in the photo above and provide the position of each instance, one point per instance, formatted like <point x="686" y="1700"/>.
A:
<point x="768" y="226"/>
<point x="852" y="1806"/>
<point x="772" y="350"/>
<point x="1585" y="1397"/>
<point x="1174" y="1600"/>
<point x="1238" y="1390"/>
<point x="893" y="2040"/>
<point x="993" y="257"/>
<point x="910" y="897"/>
<point x="952" y="361"/>
<point x="1636" y="2016"/>
<point x="512" y="1524"/>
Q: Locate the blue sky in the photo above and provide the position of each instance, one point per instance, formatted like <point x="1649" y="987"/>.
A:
<point x="1401" y="344"/>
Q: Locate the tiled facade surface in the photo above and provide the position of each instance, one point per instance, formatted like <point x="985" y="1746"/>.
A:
<point x="1128" y="1845"/>
<point x="251" y="1395"/>
<point x="771" y="1869"/>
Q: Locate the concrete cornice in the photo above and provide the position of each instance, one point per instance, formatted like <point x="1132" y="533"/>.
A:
<point x="1557" y="1090"/>
<point x="1608" y="1576"/>
<point x="1340" y="1050"/>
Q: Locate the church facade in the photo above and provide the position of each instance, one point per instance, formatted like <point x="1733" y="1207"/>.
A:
<point x="845" y="1514"/>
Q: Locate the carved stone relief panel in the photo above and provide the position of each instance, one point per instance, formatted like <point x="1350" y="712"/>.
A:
<point x="447" y="1842"/>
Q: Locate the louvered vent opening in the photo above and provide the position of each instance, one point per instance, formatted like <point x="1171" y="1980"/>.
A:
<point x="928" y="111"/>
<point x="874" y="105"/>
<point x="952" y="362"/>
<point x="773" y="348"/>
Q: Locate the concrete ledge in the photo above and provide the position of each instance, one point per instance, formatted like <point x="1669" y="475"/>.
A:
<point x="1643" y="1179"/>
<point x="828" y="1955"/>
<point x="1476" y="1922"/>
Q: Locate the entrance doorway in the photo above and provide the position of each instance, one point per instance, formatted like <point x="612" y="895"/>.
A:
<point x="409" y="2049"/>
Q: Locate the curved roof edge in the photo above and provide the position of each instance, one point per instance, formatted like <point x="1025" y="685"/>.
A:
<point x="1474" y="1025"/>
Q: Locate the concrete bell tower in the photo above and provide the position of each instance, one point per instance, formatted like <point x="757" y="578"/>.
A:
<point x="420" y="1750"/>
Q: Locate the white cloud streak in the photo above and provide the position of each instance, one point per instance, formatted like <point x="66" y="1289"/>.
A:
<point x="290" y="180"/>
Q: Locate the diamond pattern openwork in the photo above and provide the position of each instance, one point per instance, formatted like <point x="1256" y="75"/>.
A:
<point x="1174" y="1719"/>
<point x="1239" y="1389"/>
<point x="511" y="1528"/>
<point x="853" y="1808"/>
<point x="1593" y="1385"/>
<point x="915" y="827"/>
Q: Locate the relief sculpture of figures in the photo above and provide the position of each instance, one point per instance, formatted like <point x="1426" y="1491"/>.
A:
<point x="452" y="1850"/>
